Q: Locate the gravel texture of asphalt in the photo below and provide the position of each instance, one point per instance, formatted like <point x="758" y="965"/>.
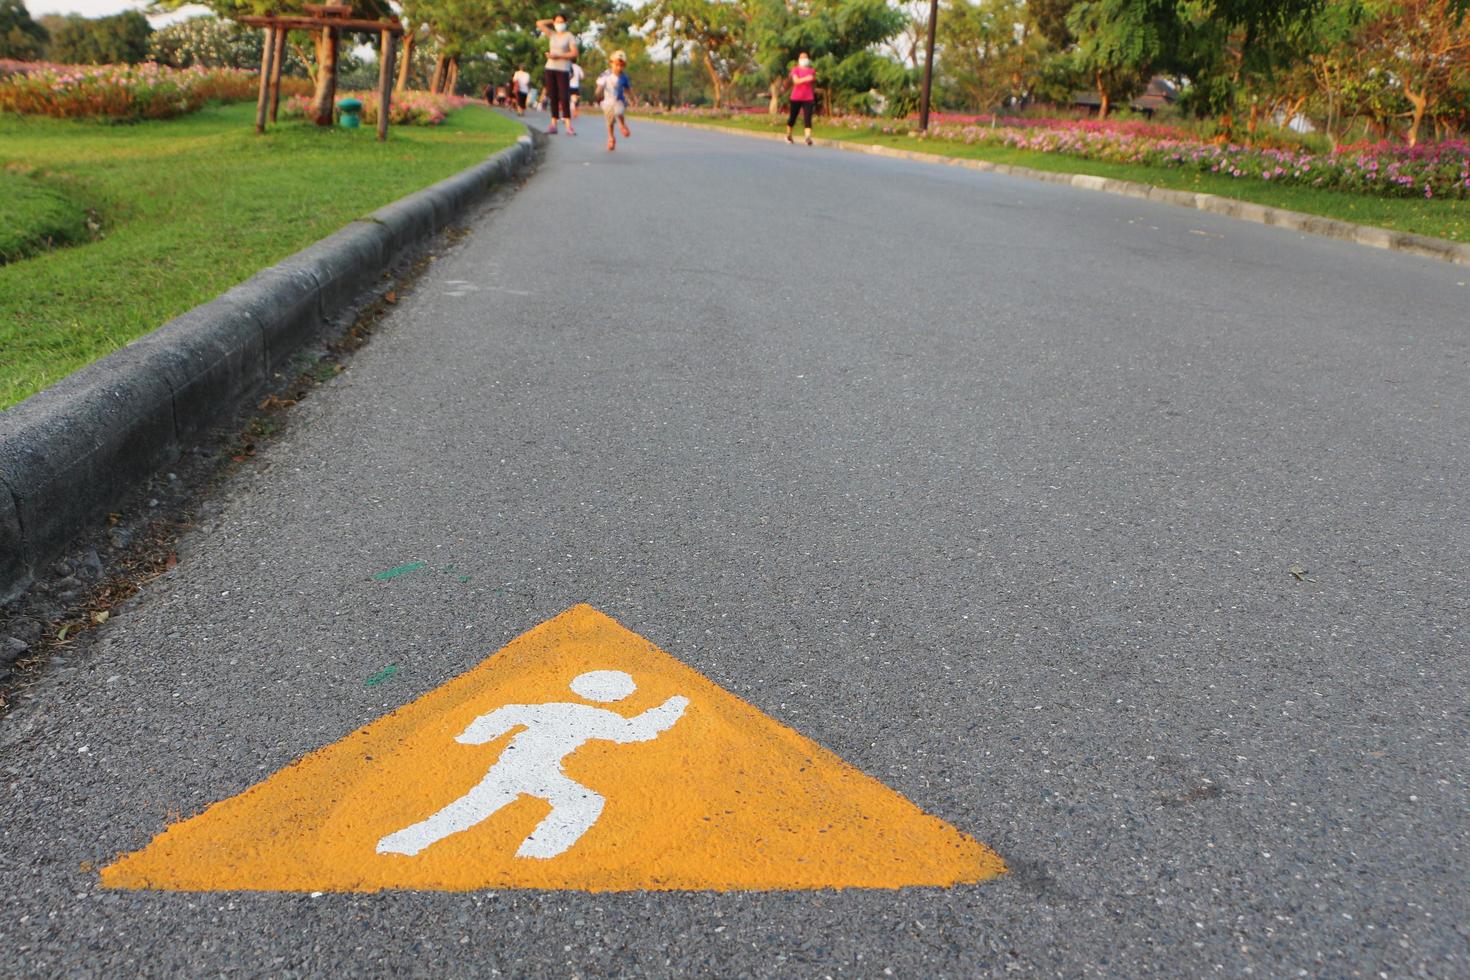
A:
<point x="1128" y="539"/>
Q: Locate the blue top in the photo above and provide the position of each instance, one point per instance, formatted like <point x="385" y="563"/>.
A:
<point x="614" y="87"/>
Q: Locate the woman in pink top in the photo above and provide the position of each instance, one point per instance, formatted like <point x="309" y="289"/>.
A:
<point x="803" y="96"/>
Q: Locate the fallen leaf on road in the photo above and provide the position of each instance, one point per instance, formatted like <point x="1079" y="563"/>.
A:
<point x="381" y="676"/>
<point x="1298" y="572"/>
<point x="100" y="617"/>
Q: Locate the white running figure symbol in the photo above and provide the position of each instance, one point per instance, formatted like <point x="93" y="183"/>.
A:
<point x="531" y="765"/>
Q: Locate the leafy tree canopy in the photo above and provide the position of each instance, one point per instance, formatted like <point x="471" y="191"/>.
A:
<point x="119" y="39"/>
<point x="21" y="38"/>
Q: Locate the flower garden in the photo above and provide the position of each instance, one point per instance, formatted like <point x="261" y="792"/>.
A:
<point x="127" y="93"/>
<point x="1384" y="169"/>
<point x="405" y="108"/>
<point x="131" y="93"/>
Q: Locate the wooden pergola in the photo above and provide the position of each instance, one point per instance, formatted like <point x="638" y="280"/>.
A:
<point x="333" y="18"/>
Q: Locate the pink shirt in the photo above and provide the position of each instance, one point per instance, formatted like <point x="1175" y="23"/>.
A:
<point x="801" y="84"/>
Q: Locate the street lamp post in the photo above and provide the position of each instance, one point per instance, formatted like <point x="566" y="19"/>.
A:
<point x="928" y="67"/>
<point x="673" y="53"/>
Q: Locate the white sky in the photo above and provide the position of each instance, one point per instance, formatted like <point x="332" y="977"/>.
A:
<point x="101" y="8"/>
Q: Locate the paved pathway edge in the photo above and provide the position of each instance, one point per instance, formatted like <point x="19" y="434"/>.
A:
<point x="70" y="453"/>
<point x="1312" y="224"/>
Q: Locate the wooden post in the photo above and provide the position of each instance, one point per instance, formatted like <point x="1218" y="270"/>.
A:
<point x="386" y="51"/>
<point x="326" y="78"/>
<point x="280" y="59"/>
<point x="267" y="52"/>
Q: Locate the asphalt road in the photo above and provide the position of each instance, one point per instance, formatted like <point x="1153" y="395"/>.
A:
<point x="993" y="488"/>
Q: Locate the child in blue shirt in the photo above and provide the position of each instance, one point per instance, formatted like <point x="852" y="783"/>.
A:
<point x="612" y="92"/>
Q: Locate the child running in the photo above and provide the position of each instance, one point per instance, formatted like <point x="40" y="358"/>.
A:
<point x="612" y="92"/>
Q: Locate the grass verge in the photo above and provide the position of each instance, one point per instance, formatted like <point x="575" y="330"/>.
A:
<point x="190" y="207"/>
<point x="35" y="217"/>
<point x="1436" y="218"/>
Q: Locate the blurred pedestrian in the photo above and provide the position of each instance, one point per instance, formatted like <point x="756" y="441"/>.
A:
<point x="521" y="82"/>
<point x="803" y="96"/>
<point x="577" y="75"/>
<point x="558" y="76"/>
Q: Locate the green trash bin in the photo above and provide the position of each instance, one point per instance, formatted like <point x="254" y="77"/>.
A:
<point x="351" y="113"/>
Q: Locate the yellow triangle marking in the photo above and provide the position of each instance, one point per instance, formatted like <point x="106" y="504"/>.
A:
<point x="462" y="790"/>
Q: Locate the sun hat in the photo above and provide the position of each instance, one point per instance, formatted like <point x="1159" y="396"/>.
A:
<point x="618" y="55"/>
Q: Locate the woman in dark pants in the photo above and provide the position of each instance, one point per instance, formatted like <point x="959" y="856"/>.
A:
<point x="803" y="96"/>
<point x="558" y="78"/>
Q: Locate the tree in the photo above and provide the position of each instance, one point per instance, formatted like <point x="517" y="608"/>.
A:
<point x="991" y="51"/>
<point x="119" y="39"/>
<point x="717" y="29"/>
<point x="908" y="44"/>
<point x="210" y="42"/>
<point x="1118" y="43"/>
<point x="1328" y="60"/>
<point x="1050" y="18"/>
<point x="1425" y="46"/>
<point x="21" y="38"/>
<point x="1232" y="50"/>
<point x="840" y="36"/>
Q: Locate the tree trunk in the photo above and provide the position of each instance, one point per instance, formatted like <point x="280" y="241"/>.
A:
<point x="714" y="78"/>
<point x="307" y="60"/>
<point x="406" y="54"/>
<point x="325" y="99"/>
<point x="436" y="81"/>
<point x="453" y="82"/>
<point x="1252" y="124"/>
<point x="775" y="107"/>
<point x="1420" y="102"/>
<point x="1104" y="102"/>
<point x="279" y="60"/>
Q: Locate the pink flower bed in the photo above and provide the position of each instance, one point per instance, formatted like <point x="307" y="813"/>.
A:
<point x="1124" y="127"/>
<point x="122" y="92"/>
<point x="405" y="108"/>
<point x="1429" y="170"/>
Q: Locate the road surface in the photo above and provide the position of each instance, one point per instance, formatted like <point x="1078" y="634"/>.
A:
<point x="1128" y="540"/>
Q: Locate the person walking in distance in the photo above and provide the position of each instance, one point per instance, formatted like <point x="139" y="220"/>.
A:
<point x="803" y="96"/>
<point x="576" y="81"/>
<point x="612" y="92"/>
<point x="521" y="83"/>
<point x="531" y="765"/>
<point x="558" y="78"/>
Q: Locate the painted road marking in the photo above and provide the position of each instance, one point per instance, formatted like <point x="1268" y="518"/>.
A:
<point x="531" y="765"/>
<point x="507" y="777"/>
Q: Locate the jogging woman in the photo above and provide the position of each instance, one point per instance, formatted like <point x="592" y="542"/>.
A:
<point x="803" y="96"/>
<point x="558" y="76"/>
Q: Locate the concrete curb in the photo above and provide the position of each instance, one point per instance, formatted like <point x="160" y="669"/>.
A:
<point x="70" y="453"/>
<point x="1311" y="224"/>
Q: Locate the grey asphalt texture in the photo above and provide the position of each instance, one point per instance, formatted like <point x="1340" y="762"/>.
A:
<point x="1130" y="540"/>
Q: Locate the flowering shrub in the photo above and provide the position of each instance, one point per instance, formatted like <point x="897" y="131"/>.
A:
<point x="122" y="92"/>
<point x="1428" y="170"/>
<point x="405" y="108"/>
<point x="1117" y="127"/>
<point x="1383" y="169"/>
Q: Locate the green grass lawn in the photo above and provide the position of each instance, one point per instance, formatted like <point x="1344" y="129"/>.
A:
<point x="189" y="207"/>
<point x="1437" y="218"/>
<point x="35" y="216"/>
